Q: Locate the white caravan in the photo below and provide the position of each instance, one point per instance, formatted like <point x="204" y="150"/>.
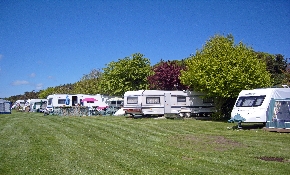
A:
<point x="58" y="100"/>
<point x="252" y="105"/>
<point x="116" y="102"/>
<point x="37" y="104"/>
<point x="159" y="102"/>
<point x="18" y="103"/>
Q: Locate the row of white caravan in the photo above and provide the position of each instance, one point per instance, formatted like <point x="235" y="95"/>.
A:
<point x="262" y="106"/>
<point x="34" y="105"/>
<point x="97" y="101"/>
<point x="167" y="103"/>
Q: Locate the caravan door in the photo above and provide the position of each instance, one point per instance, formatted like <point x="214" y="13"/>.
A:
<point x="167" y="103"/>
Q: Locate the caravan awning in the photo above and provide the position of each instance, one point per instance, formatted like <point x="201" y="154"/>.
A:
<point x="89" y="99"/>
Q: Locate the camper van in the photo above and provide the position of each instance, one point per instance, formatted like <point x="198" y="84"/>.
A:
<point x="159" y="102"/>
<point x="252" y="105"/>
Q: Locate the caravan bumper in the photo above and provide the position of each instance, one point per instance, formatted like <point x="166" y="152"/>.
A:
<point x="133" y="111"/>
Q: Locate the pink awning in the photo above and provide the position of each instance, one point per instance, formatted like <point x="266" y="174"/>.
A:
<point x="89" y="99"/>
<point x="101" y="107"/>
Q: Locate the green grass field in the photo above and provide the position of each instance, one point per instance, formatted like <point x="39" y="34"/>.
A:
<point x="35" y="144"/>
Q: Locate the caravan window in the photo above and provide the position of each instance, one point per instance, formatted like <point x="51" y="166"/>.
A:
<point x="40" y="103"/>
<point x="251" y="101"/>
<point x="153" y="100"/>
<point x="132" y="100"/>
<point x="181" y="99"/>
<point x="116" y="102"/>
<point x="61" y="101"/>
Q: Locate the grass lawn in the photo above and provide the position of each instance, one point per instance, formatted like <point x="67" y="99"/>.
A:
<point x="35" y="144"/>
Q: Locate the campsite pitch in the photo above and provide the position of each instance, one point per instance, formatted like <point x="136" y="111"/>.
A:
<point x="35" y="144"/>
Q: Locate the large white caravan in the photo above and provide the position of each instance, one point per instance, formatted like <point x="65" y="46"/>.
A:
<point x="252" y="105"/>
<point x="59" y="100"/>
<point x="159" y="102"/>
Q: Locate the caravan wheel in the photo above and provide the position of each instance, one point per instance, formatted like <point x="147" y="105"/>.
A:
<point x="181" y="114"/>
<point x="187" y="115"/>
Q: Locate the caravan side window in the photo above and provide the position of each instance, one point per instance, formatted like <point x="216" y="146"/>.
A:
<point x="251" y="101"/>
<point x="152" y="100"/>
<point x="61" y="101"/>
<point x="181" y="99"/>
<point x="132" y="100"/>
<point x="116" y="102"/>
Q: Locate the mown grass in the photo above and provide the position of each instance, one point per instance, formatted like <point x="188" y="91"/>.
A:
<point x="35" y="144"/>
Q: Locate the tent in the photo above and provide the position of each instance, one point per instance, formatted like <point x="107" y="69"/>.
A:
<point x="5" y="107"/>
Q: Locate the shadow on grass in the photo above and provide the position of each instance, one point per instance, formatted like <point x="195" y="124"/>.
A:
<point x="250" y="126"/>
<point x="143" y="116"/>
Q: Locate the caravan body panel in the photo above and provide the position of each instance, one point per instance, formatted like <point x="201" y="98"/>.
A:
<point x="252" y="105"/>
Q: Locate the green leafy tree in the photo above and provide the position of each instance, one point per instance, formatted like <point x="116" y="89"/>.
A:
<point x="89" y="83"/>
<point x="30" y="95"/>
<point x="64" y="89"/>
<point x="61" y="89"/>
<point x="46" y="92"/>
<point x="276" y="66"/>
<point x="125" y="75"/>
<point x="27" y="95"/>
<point x="286" y="80"/>
<point x="222" y="69"/>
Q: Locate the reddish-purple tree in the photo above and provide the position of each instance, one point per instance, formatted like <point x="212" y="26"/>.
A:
<point x="166" y="76"/>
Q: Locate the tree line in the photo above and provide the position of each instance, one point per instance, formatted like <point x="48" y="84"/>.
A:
<point x="221" y="69"/>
